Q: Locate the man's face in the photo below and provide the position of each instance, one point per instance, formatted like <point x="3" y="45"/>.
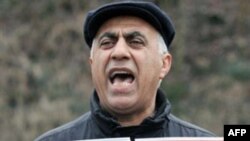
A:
<point x="127" y="65"/>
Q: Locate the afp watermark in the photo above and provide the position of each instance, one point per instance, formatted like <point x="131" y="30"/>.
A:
<point x="236" y="132"/>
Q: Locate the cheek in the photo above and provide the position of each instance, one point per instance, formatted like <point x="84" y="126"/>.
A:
<point x="98" y="66"/>
<point x="100" y="59"/>
<point x="149" y="71"/>
<point x="150" y="64"/>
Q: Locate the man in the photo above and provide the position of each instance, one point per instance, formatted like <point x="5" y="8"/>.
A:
<point x="129" y="57"/>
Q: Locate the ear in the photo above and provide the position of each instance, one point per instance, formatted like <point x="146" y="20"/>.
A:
<point x="90" y="61"/>
<point x="166" y="64"/>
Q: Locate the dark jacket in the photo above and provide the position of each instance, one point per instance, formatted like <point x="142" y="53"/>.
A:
<point x="99" y="124"/>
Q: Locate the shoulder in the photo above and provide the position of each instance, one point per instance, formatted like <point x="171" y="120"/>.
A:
<point x="178" y="127"/>
<point x="68" y="130"/>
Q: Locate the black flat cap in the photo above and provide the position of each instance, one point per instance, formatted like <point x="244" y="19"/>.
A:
<point x="147" y="11"/>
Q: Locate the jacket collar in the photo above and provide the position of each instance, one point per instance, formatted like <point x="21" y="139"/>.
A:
<point x="108" y="124"/>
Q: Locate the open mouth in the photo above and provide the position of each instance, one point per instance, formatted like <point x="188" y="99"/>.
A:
<point x="121" y="76"/>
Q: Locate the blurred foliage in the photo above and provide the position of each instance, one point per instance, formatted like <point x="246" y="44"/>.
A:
<point x="45" y="76"/>
<point x="238" y="71"/>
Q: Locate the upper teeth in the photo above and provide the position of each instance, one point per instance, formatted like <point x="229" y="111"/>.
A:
<point x="118" y="72"/>
<point x="121" y="75"/>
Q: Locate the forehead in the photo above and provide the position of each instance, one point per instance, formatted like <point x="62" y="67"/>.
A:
<point x="126" y="23"/>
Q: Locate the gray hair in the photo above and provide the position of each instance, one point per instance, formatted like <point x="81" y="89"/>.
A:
<point x="162" y="50"/>
<point x="162" y="45"/>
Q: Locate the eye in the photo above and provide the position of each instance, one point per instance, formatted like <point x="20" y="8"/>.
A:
<point x="136" y="42"/>
<point x="107" y="43"/>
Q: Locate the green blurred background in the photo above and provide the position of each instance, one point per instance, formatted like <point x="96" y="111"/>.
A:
<point x="45" y="77"/>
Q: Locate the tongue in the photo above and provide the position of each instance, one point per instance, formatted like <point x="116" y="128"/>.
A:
<point x="119" y="80"/>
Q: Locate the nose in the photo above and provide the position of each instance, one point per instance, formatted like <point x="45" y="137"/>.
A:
<point x="120" y="50"/>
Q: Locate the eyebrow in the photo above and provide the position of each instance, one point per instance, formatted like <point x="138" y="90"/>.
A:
<point x="133" y="34"/>
<point x="111" y="35"/>
<point x="129" y="35"/>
